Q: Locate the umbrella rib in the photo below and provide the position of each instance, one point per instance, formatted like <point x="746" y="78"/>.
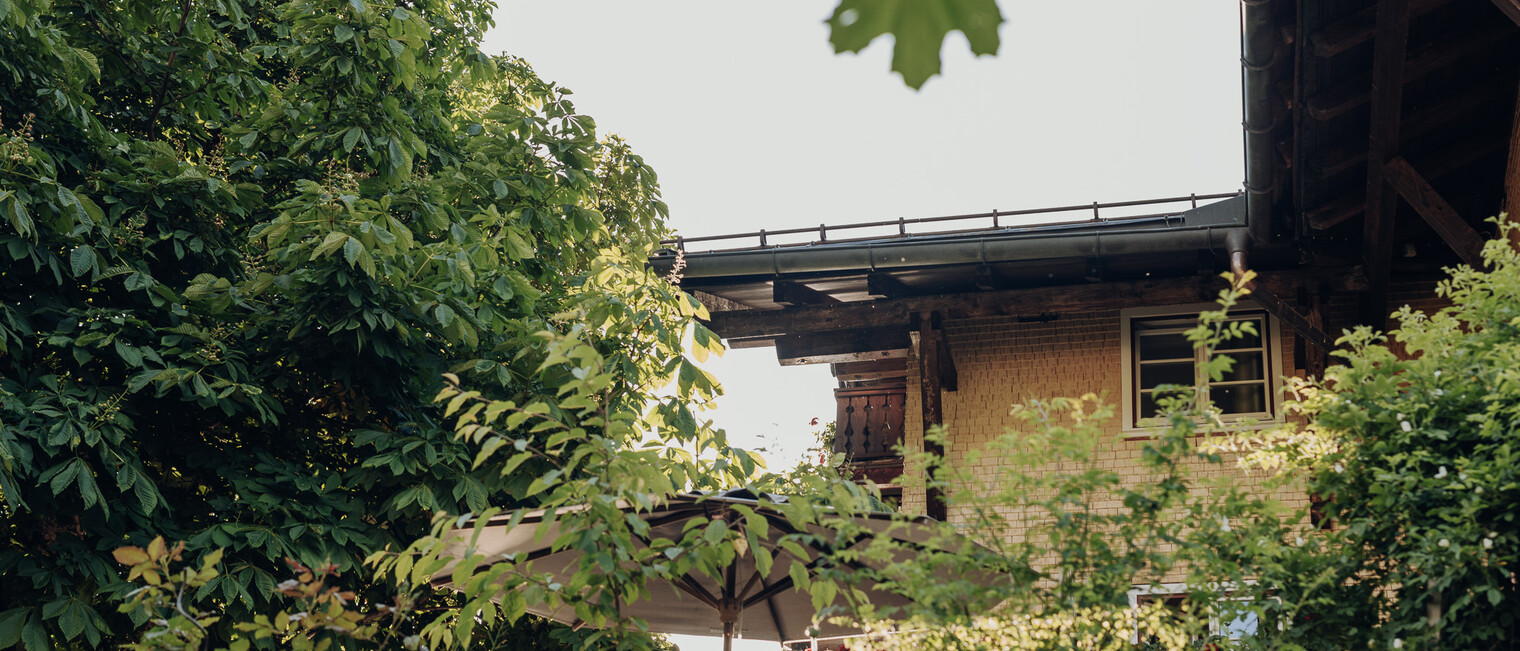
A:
<point x="691" y="587"/>
<point x="770" y="604"/>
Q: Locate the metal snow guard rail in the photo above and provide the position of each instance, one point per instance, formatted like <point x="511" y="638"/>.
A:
<point x="902" y="223"/>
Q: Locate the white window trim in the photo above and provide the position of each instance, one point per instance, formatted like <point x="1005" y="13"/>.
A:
<point x="1169" y="589"/>
<point x="1271" y="341"/>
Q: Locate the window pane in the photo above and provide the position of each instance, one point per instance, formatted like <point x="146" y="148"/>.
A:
<point x="1240" y="399"/>
<point x="1248" y="366"/>
<point x="1148" y="408"/>
<point x="1164" y="346"/>
<point x="1245" y="341"/>
<point x="1152" y="375"/>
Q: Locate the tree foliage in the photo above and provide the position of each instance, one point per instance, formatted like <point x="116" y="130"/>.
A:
<point x="1412" y="443"/>
<point x="242" y="242"/>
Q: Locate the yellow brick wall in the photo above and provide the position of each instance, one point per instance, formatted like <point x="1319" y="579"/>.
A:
<point x="1001" y="361"/>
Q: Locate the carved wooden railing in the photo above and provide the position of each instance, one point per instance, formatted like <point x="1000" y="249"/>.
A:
<point x="869" y="423"/>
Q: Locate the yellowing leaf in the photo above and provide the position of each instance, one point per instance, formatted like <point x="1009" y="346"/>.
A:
<point x="130" y="555"/>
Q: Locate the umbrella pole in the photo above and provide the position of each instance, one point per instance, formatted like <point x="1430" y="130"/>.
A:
<point x="728" y="636"/>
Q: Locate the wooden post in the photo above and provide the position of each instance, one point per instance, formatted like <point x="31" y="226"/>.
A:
<point x="1512" y="173"/>
<point x="1389" y="49"/>
<point x="929" y="352"/>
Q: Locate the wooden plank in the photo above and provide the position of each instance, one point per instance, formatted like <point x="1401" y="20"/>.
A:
<point x="929" y="342"/>
<point x="1290" y="317"/>
<point x="1436" y="211"/>
<point x="1430" y="58"/>
<point x="879" y="369"/>
<point x="1383" y="139"/>
<point x="842" y="346"/>
<point x="1417" y="123"/>
<point x="1510" y="8"/>
<point x="786" y="292"/>
<point x="1512" y="171"/>
<point x="886" y="286"/>
<point x="1355" y="29"/>
<point x="1436" y="165"/>
<point x="749" y="325"/>
<point x="949" y="380"/>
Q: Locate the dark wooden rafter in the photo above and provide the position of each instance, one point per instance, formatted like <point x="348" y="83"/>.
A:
<point x="930" y="344"/>
<point x="843" y="346"/>
<point x="880" y="369"/>
<point x="786" y="292"/>
<point x="1419" y="63"/>
<point x="763" y="327"/>
<point x="1389" y="49"/>
<point x="1417" y="123"/>
<point x="1435" y="211"/>
<point x="1355" y="29"/>
<point x="1510" y="8"/>
<point x="885" y="286"/>
<point x="1436" y="165"/>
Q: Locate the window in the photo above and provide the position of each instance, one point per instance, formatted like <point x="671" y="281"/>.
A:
<point x="1231" y="618"/>
<point x="1157" y="352"/>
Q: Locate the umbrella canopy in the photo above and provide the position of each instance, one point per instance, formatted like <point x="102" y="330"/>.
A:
<point x="743" y="601"/>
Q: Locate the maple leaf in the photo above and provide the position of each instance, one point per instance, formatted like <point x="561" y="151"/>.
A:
<point x="918" y="27"/>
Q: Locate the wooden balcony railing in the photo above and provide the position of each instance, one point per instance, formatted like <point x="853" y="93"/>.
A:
<point x="869" y="423"/>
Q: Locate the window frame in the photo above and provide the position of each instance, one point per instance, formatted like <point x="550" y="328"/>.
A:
<point x="1130" y="363"/>
<point x="1215" y="625"/>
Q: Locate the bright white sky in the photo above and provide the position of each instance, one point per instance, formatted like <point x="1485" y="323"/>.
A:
<point x="752" y="122"/>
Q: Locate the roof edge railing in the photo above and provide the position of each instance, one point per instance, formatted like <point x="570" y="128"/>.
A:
<point x="823" y="230"/>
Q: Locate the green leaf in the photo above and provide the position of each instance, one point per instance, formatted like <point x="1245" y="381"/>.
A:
<point x="918" y="29"/>
<point x="82" y="260"/>
<point x="35" y="636"/>
<point x="352" y="137"/>
<point x="329" y="244"/>
<point x="11" y="621"/>
<point x="351" y="250"/>
<point x="342" y="33"/>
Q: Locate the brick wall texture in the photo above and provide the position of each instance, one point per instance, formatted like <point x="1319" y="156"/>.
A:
<point x="1001" y="361"/>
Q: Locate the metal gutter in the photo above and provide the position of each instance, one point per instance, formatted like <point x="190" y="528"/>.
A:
<point x="1219" y="226"/>
<point x="1258" y="54"/>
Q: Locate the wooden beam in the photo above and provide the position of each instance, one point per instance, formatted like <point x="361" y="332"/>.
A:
<point x="1430" y="58"/>
<point x="1355" y="29"/>
<point x="885" y="285"/>
<point x="1436" y="211"/>
<point x="1436" y="165"/>
<point x="1512" y="171"/>
<point x="748" y="325"/>
<point x="1417" y="123"/>
<point x="929" y="352"/>
<point x="1383" y="139"/>
<point x="842" y="346"/>
<point x="786" y="292"/>
<point x="878" y="369"/>
<point x="949" y="380"/>
<point x="1510" y="8"/>
<point x="1290" y="317"/>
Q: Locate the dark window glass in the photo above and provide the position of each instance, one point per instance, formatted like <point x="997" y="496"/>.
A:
<point x="1240" y="398"/>
<point x="1248" y="366"/>
<point x="1165" y="346"/>
<point x="1152" y="375"/>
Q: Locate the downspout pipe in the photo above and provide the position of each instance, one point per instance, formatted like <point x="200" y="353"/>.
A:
<point x="1295" y="320"/>
<point x="1258" y="55"/>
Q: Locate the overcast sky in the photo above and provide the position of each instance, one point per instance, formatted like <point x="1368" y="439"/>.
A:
<point x="752" y="122"/>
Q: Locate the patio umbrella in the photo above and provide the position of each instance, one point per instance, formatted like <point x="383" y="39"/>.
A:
<point x="744" y="602"/>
